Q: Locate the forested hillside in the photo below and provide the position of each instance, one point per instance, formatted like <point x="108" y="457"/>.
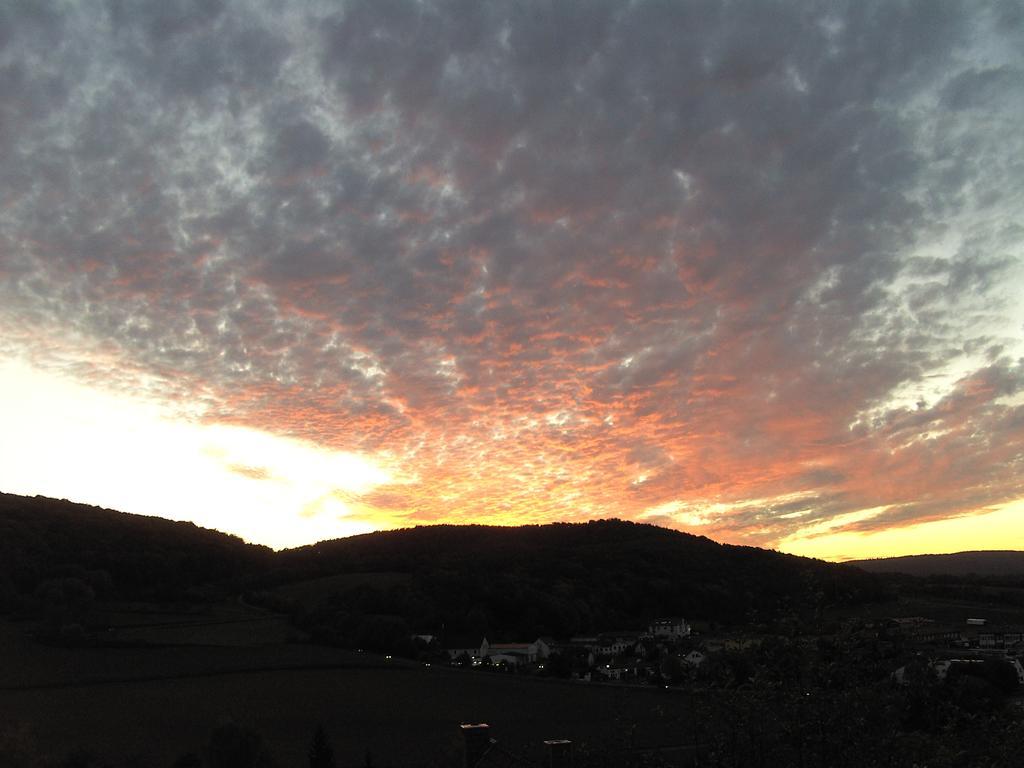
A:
<point x="564" y="579"/>
<point x="111" y="553"/>
<point x="559" y="580"/>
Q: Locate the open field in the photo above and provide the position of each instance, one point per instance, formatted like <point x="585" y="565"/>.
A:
<point x="258" y="630"/>
<point x="402" y="716"/>
<point x="208" y="665"/>
<point x="313" y="592"/>
<point x="229" y="623"/>
<point x="402" y="713"/>
<point x="27" y="664"/>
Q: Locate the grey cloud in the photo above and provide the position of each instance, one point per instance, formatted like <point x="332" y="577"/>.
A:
<point x="740" y="197"/>
<point x="980" y="88"/>
<point x="165" y="19"/>
<point x="300" y="147"/>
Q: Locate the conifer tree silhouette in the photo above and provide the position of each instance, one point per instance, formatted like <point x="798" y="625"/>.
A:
<point x="321" y="755"/>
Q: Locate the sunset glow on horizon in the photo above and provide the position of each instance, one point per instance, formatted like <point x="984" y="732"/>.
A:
<point x="748" y="270"/>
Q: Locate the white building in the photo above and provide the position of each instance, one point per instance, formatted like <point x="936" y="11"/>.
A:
<point x="515" y="654"/>
<point x="673" y="628"/>
<point x="694" y="658"/>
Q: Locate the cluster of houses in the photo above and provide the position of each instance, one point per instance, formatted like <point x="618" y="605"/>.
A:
<point x="975" y="633"/>
<point x="940" y="667"/>
<point x="608" y="655"/>
<point x="990" y="642"/>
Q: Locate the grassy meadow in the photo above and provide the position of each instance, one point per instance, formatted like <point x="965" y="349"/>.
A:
<point x="310" y="593"/>
<point x="153" y="704"/>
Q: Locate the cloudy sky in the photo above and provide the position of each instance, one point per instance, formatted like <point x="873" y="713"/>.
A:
<point x="748" y="269"/>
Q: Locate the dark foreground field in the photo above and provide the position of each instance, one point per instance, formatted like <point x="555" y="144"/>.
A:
<point x="402" y="716"/>
<point x="160" y="635"/>
<point x="400" y="713"/>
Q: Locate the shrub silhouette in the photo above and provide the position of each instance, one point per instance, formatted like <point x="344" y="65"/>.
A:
<point x="234" y="746"/>
<point x="321" y="755"/>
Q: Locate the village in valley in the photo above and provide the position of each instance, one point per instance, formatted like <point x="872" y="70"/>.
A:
<point x="670" y="652"/>
<point x="966" y="649"/>
<point x="614" y="656"/>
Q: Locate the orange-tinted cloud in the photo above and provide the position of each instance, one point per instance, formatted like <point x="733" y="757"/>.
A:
<point x="739" y="269"/>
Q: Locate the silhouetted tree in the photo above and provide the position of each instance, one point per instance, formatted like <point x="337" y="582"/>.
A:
<point x="233" y="746"/>
<point x="672" y="669"/>
<point x="80" y="758"/>
<point x="321" y="755"/>
<point x="557" y="665"/>
<point x="65" y="603"/>
<point x="18" y="748"/>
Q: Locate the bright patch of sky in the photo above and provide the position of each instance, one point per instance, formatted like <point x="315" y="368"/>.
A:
<point x="112" y="451"/>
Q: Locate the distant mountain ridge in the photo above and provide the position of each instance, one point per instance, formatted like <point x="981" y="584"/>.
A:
<point x="557" y="579"/>
<point x="979" y="562"/>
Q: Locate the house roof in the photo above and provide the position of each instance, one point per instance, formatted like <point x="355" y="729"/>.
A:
<point x="626" y="634"/>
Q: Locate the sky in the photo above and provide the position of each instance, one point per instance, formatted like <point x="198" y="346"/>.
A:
<point x="752" y="270"/>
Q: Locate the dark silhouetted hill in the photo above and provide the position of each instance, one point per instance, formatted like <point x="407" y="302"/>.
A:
<point x="564" y="579"/>
<point x="560" y="579"/>
<point x="979" y="563"/>
<point x="122" y="555"/>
